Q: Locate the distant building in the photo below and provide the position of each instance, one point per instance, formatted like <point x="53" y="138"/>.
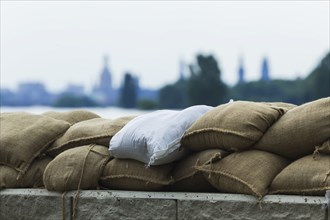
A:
<point x="265" y="70"/>
<point x="76" y="90"/>
<point x="103" y="92"/>
<point x="241" y="71"/>
<point x="33" y="93"/>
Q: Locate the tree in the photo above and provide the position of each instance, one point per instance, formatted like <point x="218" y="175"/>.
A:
<point x="74" y="101"/>
<point x="173" y="96"/>
<point x="204" y="85"/>
<point x="128" y="96"/>
<point x="318" y="82"/>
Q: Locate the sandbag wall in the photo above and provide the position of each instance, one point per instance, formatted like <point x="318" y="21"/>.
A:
<point x="240" y="147"/>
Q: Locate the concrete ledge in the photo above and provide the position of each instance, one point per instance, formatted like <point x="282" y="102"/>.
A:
<point x="113" y="204"/>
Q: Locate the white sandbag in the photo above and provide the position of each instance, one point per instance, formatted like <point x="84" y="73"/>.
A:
<point x="154" y="138"/>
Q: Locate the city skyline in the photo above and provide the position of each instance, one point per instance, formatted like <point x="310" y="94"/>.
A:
<point x="141" y="38"/>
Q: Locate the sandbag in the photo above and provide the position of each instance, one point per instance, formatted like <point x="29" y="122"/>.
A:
<point x="233" y="126"/>
<point x="94" y="131"/>
<point x="305" y="176"/>
<point x="187" y="178"/>
<point x="24" y="136"/>
<point x="32" y="178"/>
<point x="154" y="138"/>
<point x="73" y="116"/>
<point x="126" y="174"/>
<point x="247" y="172"/>
<point x="324" y="148"/>
<point x="76" y="168"/>
<point x="299" y="130"/>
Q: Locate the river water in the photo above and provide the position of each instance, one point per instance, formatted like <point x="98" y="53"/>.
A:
<point x="106" y="112"/>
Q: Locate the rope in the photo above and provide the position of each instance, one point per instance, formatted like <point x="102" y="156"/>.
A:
<point x="76" y="197"/>
<point x="326" y="176"/>
<point x="63" y="205"/>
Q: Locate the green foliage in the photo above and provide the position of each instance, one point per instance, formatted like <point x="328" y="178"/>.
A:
<point x="173" y="96"/>
<point x="147" y="104"/>
<point x="128" y="96"/>
<point x="204" y="85"/>
<point x="318" y="82"/>
<point x="74" y="101"/>
<point x="315" y="86"/>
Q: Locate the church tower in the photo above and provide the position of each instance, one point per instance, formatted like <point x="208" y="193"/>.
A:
<point x="241" y="71"/>
<point x="265" y="70"/>
<point x="103" y="91"/>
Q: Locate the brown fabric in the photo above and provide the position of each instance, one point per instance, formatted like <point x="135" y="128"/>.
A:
<point x="86" y="162"/>
<point x="72" y="117"/>
<point x="32" y="178"/>
<point x="94" y="131"/>
<point x="186" y="176"/>
<point x="281" y="105"/>
<point x="324" y="148"/>
<point x="299" y="130"/>
<point x="248" y="172"/>
<point x="125" y="174"/>
<point x="25" y="136"/>
<point x="305" y="176"/>
<point x="232" y="126"/>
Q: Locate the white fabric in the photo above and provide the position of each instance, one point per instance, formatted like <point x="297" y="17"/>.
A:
<point x="154" y="138"/>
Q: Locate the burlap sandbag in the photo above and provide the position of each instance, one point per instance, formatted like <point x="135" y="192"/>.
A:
<point x="283" y="105"/>
<point x="305" y="176"/>
<point x="126" y="174"/>
<point x="77" y="168"/>
<point x="73" y="116"/>
<point x="94" y="131"/>
<point x="187" y="178"/>
<point x="32" y="178"/>
<point x="324" y="148"/>
<point x="24" y="136"/>
<point x="299" y="130"/>
<point x="233" y="126"/>
<point x="248" y="172"/>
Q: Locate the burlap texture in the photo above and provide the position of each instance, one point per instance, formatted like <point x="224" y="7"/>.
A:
<point x="25" y="136"/>
<point x="281" y="105"/>
<point x="324" y="148"/>
<point x="299" y="130"/>
<point x="94" y="131"/>
<point x="187" y="178"/>
<point x="80" y="166"/>
<point x="32" y="178"/>
<point x="248" y="172"/>
<point x="233" y="126"/>
<point x="73" y="116"/>
<point x="126" y="174"/>
<point x="305" y="176"/>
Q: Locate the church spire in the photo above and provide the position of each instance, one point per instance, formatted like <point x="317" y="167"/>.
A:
<point x="241" y="71"/>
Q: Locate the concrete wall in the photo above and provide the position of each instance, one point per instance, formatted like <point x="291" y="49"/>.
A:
<point x="111" y="204"/>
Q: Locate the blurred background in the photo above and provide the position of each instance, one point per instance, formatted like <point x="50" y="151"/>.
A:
<point x="162" y="54"/>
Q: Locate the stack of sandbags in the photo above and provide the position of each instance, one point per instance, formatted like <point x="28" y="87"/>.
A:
<point x="298" y="131"/>
<point x="268" y="141"/>
<point x="76" y="168"/>
<point x="31" y="179"/>
<point x="24" y="137"/>
<point x="234" y="126"/>
<point x="186" y="176"/>
<point x="154" y="138"/>
<point x="93" y="131"/>
<point x="305" y="176"/>
<point x="81" y="153"/>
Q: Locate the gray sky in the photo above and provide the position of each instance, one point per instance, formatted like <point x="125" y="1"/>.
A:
<point x="59" y="42"/>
